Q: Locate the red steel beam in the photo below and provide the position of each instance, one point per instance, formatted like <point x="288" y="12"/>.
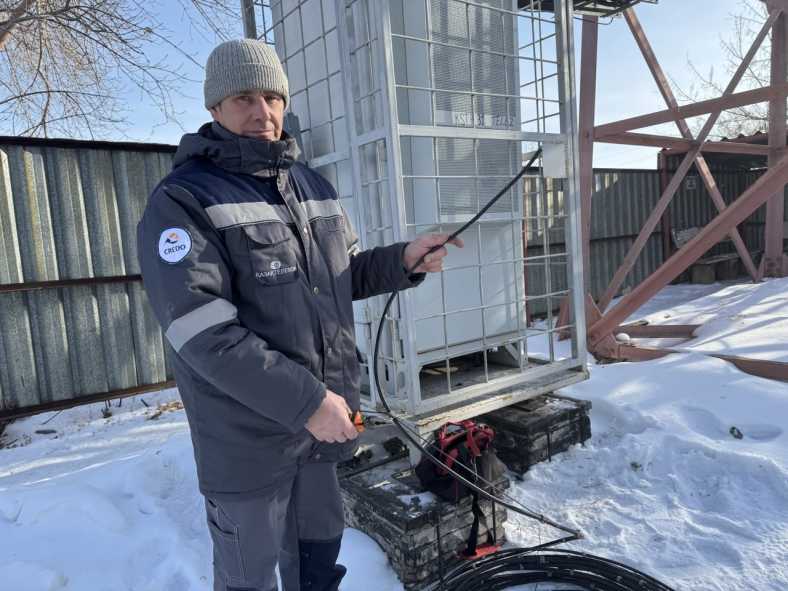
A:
<point x="656" y="72"/>
<point x="775" y="207"/>
<point x="739" y="99"/>
<point x="732" y="148"/>
<point x="782" y="4"/>
<point x="670" y="99"/>
<point x="692" y="155"/>
<point x="588" y="63"/>
<point x="635" y="353"/>
<point x="647" y="139"/>
<point x="771" y="370"/>
<point x="658" y="331"/>
<point x="677" y="145"/>
<point x="754" y="197"/>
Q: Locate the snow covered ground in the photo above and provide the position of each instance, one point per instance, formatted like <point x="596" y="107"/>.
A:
<point x="91" y="503"/>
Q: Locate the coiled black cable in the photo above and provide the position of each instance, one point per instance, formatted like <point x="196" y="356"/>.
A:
<point x="515" y="567"/>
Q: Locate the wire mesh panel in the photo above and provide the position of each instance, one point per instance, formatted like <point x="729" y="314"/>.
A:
<point x="479" y="65"/>
<point x="439" y="101"/>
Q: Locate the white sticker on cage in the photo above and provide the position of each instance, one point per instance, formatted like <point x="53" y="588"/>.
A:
<point x="554" y="160"/>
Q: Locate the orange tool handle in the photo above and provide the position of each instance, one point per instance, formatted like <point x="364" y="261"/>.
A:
<point x="357" y="420"/>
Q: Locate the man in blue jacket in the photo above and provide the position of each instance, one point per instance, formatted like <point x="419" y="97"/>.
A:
<point x="251" y="268"/>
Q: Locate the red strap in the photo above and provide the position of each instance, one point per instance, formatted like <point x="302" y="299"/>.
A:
<point x="481" y="552"/>
<point x="448" y="459"/>
<point x="477" y="437"/>
<point x="445" y="438"/>
<point x="449" y="440"/>
<point x="472" y="443"/>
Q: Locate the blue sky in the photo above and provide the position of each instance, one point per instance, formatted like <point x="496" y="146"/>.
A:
<point x="147" y="124"/>
<point x="679" y="31"/>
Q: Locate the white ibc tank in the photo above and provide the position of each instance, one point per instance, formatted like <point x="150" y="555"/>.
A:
<point x="419" y="111"/>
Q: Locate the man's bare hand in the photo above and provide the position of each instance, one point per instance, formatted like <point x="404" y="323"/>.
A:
<point x="331" y="422"/>
<point x="433" y="263"/>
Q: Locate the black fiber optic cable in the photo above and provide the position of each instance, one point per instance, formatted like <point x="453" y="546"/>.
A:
<point x="517" y="566"/>
<point x="574" y="534"/>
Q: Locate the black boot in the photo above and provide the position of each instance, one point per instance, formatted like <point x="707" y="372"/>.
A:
<point x="318" y="565"/>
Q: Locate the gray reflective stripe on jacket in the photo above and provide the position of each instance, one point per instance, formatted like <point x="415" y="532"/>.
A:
<point x="259" y="307"/>
<point x="188" y="326"/>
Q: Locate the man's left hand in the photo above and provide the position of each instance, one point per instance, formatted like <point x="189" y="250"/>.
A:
<point x="433" y="263"/>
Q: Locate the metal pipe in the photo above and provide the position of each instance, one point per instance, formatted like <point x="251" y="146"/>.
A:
<point x="588" y="63"/>
<point x="247" y="14"/>
<point x="574" y="231"/>
<point x="406" y="324"/>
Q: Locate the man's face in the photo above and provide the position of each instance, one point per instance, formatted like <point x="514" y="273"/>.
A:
<point x="252" y="114"/>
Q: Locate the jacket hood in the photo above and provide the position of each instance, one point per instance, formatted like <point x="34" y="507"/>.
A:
<point x="236" y="153"/>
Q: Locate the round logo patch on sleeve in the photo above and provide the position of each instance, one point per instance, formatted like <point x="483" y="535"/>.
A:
<point x="174" y="245"/>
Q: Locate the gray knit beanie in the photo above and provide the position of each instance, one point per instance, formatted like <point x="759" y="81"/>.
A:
<point x="240" y="65"/>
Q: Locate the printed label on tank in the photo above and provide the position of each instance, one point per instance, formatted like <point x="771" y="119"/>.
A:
<point x="470" y="119"/>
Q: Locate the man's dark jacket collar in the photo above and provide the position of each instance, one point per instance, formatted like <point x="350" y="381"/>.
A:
<point x="236" y="153"/>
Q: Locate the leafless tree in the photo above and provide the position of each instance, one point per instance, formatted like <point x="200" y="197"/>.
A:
<point x="77" y="67"/>
<point x="750" y="119"/>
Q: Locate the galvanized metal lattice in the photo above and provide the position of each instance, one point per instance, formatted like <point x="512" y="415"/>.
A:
<point x="419" y="111"/>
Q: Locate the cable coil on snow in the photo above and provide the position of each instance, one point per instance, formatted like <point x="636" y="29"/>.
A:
<point x="515" y="567"/>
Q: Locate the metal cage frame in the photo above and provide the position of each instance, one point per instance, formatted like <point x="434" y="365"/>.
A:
<point x="400" y="357"/>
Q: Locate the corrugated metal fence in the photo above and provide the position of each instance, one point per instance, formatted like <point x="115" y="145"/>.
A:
<point x="692" y="206"/>
<point x="621" y="203"/>
<point x="74" y="321"/>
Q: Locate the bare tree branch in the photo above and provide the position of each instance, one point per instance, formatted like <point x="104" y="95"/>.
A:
<point x="750" y="119"/>
<point x="15" y="16"/>
<point x="79" y="67"/>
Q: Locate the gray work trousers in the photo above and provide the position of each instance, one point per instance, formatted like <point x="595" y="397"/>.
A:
<point x="299" y="516"/>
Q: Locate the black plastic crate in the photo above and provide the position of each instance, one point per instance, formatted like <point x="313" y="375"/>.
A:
<point x="535" y="430"/>
<point x="385" y="501"/>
